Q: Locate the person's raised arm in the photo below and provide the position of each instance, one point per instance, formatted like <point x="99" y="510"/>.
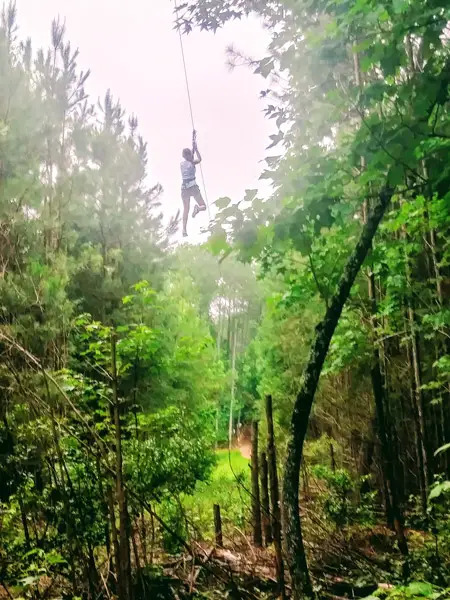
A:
<point x="197" y="155"/>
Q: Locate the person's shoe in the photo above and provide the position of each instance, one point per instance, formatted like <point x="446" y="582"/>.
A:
<point x="198" y="209"/>
<point x="185" y="233"/>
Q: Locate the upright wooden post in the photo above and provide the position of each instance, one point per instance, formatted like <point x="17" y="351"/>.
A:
<point x="275" y="497"/>
<point x="256" y="503"/>
<point x="332" y="458"/>
<point x="218" y="526"/>
<point x="265" y="502"/>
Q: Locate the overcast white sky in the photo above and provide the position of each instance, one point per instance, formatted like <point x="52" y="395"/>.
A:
<point x="131" y="47"/>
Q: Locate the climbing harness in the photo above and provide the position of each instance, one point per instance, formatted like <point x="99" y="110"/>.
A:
<point x="194" y="131"/>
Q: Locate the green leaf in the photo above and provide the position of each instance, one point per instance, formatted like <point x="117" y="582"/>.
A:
<point x="419" y="588"/>
<point x="29" y="580"/>
<point x="222" y="203"/>
<point x="54" y="558"/>
<point x="438" y="489"/>
<point x="443" y="448"/>
<point x="399" y="6"/>
<point x="250" y="195"/>
<point x="396" y="175"/>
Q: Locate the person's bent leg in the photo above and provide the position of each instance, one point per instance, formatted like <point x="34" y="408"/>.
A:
<point x="200" y="206"/>
<point x="186" y="205"/>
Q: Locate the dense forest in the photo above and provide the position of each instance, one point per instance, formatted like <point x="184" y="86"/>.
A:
<point x="265" y="415"/>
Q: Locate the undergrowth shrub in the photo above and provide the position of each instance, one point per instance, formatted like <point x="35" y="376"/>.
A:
<point x="174" y="517"/>
<point x="430" y="558"/>
<point x="416" y="590"/>
<point x="342" y="501"/>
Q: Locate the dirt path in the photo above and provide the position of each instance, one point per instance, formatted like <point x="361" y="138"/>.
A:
<point x="244" y="445"/>
<point x="245" y="448"/>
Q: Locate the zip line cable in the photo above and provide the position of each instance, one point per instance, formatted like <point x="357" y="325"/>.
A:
<point x="186" y="79"/>
<point x="188" y="91"/>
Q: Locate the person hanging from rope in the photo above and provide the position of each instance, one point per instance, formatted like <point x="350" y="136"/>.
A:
<point x="189" y="187"/>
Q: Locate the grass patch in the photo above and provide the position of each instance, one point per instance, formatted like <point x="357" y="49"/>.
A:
<point x="227" y="487"/>
<point x="230" y="464"/>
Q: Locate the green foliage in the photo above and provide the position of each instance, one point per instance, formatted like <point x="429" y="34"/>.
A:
<point x="317" y="452"/>
<point x="123" y="363"/>
<point x="175" y="533"/>
<point x="416" y="590"/>
<point x="80" y="230"/>
<point x="439" y="489"/>
<point x="364" y="107"/>
<point x="340" y="502"/>
<point x="34" y="566"/>
<point x="170" y="452"/>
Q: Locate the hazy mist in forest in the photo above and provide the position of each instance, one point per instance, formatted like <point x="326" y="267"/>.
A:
<point x="132" y="49"/>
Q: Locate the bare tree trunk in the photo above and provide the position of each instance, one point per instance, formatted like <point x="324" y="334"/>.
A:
<point x="379" y="383"/>
<point x="137" y="561"/>
<point x="275" y="498"/>
<point x="383" y="423"/>
<point x="23" y="516"/>
<point x="233" y="386"/>
<point x="256" y="502"/>
<point x="332" y="458"/>
<point x="105" y="512"/>
<point x="388" y="459"/>
<point x="218" y="526"/>
<point x="219" y="330"/>
<point x="124" y="583"/>
<point x="418" y="440"/>
<point x="265" y="502"/>
<point x="92" y="573"/>
<point x="229" y="333"/>
<point x="219" y="353"/>
<point x="301" y="581"/>
<point x="114" y="532"/>
<point x="443" y="345"/>
<point x="143" y="537"/>
<point x="419" y="405"/>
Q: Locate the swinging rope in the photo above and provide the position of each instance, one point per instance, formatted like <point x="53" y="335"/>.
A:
<point x="188" y="91"/>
